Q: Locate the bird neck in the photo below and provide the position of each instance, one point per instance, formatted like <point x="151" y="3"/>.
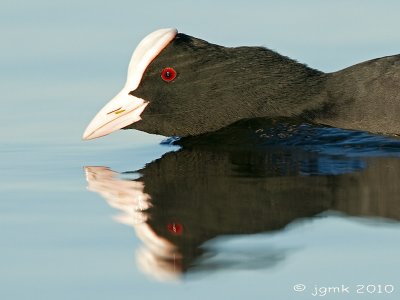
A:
<point x="277" y="86"/>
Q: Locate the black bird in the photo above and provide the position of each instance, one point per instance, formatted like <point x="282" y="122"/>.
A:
<point x="184" y="86"/>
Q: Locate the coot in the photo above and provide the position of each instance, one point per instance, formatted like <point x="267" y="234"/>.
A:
<point x="184" y="86"/>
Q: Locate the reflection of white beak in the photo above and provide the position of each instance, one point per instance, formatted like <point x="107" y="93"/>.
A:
<point x="159" y="257"/>
<point x="121" y="111"/>
<point x="126" y="195"/>
<point x="125" y="109"/>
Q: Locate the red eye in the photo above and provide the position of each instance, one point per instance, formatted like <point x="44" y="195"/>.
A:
<point x="168" y="74"/>
<point x="175" y="228"/>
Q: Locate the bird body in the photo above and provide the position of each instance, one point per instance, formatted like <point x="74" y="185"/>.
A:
<point x="365" y="96"/>
<point x="184" y="86"/>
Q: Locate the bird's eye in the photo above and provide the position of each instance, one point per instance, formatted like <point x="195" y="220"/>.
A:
<point x="168" y="74"/>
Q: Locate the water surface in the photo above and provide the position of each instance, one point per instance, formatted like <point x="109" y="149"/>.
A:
<point x="294" y="193"/>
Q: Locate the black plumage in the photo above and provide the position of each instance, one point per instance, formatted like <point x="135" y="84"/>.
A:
<point x="217" y="86"/>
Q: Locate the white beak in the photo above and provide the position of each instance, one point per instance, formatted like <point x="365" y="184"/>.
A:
<point x="121" y="111"/>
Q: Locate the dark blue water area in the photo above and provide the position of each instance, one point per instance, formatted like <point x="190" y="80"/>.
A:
<point x="349" y="143"/>
<point x="339" y="150"/>
<point x="318" y="150"/>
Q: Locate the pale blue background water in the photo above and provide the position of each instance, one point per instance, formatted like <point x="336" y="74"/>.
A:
<point x="61" y="61"/>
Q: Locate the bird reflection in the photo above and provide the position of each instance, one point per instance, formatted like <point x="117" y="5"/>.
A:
<point x="211" y="189"/>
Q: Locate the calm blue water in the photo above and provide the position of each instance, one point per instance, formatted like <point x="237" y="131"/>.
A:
<point x="124" y="216"/>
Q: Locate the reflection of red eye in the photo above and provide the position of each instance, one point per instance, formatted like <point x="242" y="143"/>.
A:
<point x="168" y="74"/>
<point x="175" y="228"/>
